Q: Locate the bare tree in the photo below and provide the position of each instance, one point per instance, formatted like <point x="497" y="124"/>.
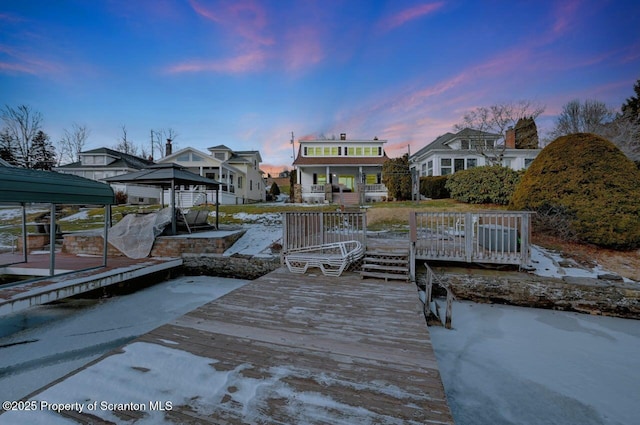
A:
<point x="496" y="119"/>
<point x="21" y="125"/>
<point x="159" y="139"/>
<point x="578" y="117"/>
<point x="593" y="116"/>
<point x="72" y="143"/>
<point x="125" y="145"/>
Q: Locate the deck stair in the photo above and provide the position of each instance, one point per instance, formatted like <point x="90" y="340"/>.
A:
<point x="387" y="264"/>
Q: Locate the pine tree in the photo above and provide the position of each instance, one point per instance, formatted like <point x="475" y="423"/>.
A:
<point x="43" y="155"/>
<point x="631" y="108"/>
<point x="8" y="147"/>
<point x="396" y="176"/>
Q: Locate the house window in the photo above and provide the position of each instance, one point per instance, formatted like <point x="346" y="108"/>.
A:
<point x="423" y="171"/>
<point x="368" y="151"/>
<point x="196" y="158"/>
<point x="220" y="155"/>
<point x="472" y="162"/>
<point x="239" y="182"/>
<point x="506" y="162"/>
<point x="352" y="150"/>
<point x="183" y="157"/>
<point x="430" y="168"/>
<point x="346" y="152"/>
<point x="304" y="151"/>
<point x="527" y="162"/>
<point x="464" y="144"/>
<point x="250" y="184"/>
<point x="319" y="178"/>
<point x="458" y="164"/>
<point x="445" y="166"/>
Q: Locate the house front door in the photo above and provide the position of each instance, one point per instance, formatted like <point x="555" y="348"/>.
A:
<point x="347" y="182"/>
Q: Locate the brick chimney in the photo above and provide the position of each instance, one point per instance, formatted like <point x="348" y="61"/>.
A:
<point x="510" y="138"/>
<point x="168" y="150"/>
<point x="343" y="136"/>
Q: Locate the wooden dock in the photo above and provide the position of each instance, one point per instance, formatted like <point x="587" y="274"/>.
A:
<point x="304" y="349"/>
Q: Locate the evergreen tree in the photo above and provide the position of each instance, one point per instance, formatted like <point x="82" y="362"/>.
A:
<point x="396" y="176"/>
<point x="8" y="147"/>
<point x="631" y="108"/>
<point x="526" y="134"/>
<point x="43" y="155"/>
<point x="274" y="191"/>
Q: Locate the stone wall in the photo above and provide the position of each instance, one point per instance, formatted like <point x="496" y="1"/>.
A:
<point x="608" y="295"/>
<point x="88" y="244"/>
<point x="164" y="246"/>
<point x="175" y="246"/>
<point x="236" y="266"/>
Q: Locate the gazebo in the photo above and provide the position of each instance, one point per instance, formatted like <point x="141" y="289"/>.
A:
<point x="23" y="186"/>
<point x="169" y="176"/>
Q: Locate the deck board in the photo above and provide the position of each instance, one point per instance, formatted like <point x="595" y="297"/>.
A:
<point x="353" y="352"/>
<point x="359" y="336"/>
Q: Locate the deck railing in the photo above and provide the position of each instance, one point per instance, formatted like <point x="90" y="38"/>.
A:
<point x="303" y="229"/>
<point x="498" y="237"/>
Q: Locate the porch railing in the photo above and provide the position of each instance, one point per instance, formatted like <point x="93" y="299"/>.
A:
<point x="303" y="229"/>
<point x="498" y="237"/>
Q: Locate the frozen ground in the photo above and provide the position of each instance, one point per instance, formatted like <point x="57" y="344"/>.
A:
<point x="45" y="343"/>
<point x="514" y="365"/>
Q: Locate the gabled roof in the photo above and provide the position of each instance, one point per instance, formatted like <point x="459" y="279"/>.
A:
<point x="219" y="148"/>
<point x="18" y="185"/>
<point x="123" y="160"/>
<point x="442" y="142"/>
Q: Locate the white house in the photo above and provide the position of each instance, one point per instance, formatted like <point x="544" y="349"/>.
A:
<point x="238" y="171"/>
<point x="345" y="171"/>
<point x="100" y="163"/>
<point x="454" y="152"/>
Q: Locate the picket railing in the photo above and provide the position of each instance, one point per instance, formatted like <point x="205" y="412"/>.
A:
<point x="304" y="229"/>
<point x="494" y="237"/>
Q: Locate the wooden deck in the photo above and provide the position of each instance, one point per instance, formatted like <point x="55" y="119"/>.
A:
<point x="318" y="349"/>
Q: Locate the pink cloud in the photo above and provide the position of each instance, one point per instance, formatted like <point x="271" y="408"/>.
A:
<point x="247" y="19"/>
<point x="564" y="14"/>
<point x="239" y="64"/>
<point x="20" y="62"/>
<point x="303" y="48"/>
<point x="408" y="15"/>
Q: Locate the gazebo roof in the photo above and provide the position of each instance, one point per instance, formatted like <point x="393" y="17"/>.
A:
<point x="164" y="175"/>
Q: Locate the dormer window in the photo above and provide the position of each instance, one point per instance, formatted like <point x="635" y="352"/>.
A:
<point x="220" y="155"/>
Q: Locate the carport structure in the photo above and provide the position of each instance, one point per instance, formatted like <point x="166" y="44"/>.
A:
<point x="20" y="186"/>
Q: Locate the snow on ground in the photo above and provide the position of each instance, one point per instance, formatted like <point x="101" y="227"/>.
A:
<point x="82" y="215"/>
<point x="552" y="264"/>
<point x="514" y="365"/>
<point x="44" y="343"/>
<point x="256" y="241"/>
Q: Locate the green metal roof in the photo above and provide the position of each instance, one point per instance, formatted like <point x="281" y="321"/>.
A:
<point x="24" y="185"/>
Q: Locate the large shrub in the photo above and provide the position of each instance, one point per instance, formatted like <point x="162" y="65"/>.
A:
<point x="434" y="187"/>
<point x="587" y="184"/>
<point x="484" y="185"/>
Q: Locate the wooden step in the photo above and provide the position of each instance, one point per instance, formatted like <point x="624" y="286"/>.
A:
<point x="396" y="253"/>
<point x="385" y="267"/>
<point x="380" y="260"/>
<point x="385" y="276"/>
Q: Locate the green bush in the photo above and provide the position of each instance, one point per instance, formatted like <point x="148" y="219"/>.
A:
<point x="484" y="185"/>
<point x="434" y="187"/>
<point x="589" y="186"/>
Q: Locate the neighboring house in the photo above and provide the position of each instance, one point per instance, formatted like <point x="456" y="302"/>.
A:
<point x="343" y="171"/>
<point x="101" y="163"/>
<point x="238" y="171"/>
<point x="454" y="152"/>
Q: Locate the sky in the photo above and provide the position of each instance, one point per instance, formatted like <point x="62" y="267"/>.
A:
<point x="249" y="73"/>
